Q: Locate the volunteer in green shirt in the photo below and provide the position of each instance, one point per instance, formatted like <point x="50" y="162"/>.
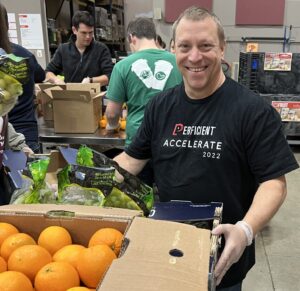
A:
<point x="139" y="77"/>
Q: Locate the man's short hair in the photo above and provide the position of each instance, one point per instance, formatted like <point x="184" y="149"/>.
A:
<point x="195" y="13"/>
<point x="83" y="17"/>
<point x="142" y="27"/>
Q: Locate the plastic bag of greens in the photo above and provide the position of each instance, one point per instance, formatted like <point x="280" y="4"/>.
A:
<point x="75" y="194"/>
<point x="98" y="171"/>
<point x="34" y="189"/>
<point x="14" y="71"/>
<point x="10" y="89"/>
<point x="72" y="193"/>
<point x="15" y="67"/>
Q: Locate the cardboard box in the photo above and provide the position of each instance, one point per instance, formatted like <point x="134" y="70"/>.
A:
<point x="156" y="255"/>
<point x="77" y="107"/>
<point x="46" y="101"/>
<point x="161" y="255"/>
<point x="206" y="216"/>
<point x="80" y="221"/>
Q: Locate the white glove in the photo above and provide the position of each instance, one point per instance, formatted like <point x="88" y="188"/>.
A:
<point x="86" y="80"/>
<point x="235" y="244"/>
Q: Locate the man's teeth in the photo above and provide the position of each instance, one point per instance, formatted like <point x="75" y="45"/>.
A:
<point x="196" y="69"/>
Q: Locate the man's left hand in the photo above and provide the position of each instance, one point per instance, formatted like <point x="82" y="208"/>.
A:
<point x="235" y="244"/>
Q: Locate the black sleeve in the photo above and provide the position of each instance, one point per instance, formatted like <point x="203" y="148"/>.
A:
<point x="55" y="66"/>
<point x="268" y="152"/>
<point x="39" y="73"/>
<point x="106" y="64"/>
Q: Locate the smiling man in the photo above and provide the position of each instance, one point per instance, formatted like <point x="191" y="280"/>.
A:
<point x="82" y="59"/>
<point x="212" y="139"/>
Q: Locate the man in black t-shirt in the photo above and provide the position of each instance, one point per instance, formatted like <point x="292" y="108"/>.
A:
<point x="212" y="139"/>
<point x="82" y="59"/>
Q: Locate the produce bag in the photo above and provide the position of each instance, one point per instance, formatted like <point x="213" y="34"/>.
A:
<point x="16" y="67"/>
<point x="10" y="89"/>
<point x="95" y="170"/>
<point x="14" y="71"/>
<point x="34" y="189"/>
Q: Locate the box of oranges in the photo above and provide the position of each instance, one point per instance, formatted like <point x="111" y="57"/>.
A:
<point x="75" y="247"/>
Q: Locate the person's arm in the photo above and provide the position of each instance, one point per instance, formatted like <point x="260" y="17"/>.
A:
<point x="113" y="113"/>
<point x="52" y="78"/>
<point x="130" y="164"/>
<point x="39" y="73"/>
<point x="103" y="80"/>
<point x="55" y="67"/>
<point x="16" y="140"/>
<point x="267" y="200"/>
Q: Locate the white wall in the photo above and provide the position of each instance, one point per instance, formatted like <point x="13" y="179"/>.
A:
<point x="225" y="10"/>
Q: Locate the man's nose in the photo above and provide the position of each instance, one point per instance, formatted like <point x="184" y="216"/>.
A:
<point x="195" y="54"/>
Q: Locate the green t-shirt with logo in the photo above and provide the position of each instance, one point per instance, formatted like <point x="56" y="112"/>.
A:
<point x="139" y="77"/>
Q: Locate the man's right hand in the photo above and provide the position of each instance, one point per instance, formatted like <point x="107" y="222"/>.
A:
<point x="57" y="81"/>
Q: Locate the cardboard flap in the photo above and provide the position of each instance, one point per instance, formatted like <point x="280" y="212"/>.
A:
<point x="44" y="86"/>
<point x="168" y="256"/>
<point x="48" y="91"/>
<point x="66" y="211"/>
<point x="93" y="88"/>
<point x="69" y="95"/>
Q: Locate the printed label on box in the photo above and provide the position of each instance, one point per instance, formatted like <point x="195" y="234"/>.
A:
<point x="289" y="111"/>
<point x="278" y="61"/>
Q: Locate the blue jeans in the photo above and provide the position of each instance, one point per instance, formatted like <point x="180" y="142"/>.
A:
<point x="237" y="287"/>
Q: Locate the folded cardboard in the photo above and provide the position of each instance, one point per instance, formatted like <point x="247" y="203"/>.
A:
<point x="205" y="215"/>
<point x="75" y="107"/>
<point x="161" y="255"/>
<point x="156" y="255"/>
<point x="46" y="100"/>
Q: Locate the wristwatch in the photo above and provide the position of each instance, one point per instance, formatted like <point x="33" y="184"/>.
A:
<point x="91" y="79"/>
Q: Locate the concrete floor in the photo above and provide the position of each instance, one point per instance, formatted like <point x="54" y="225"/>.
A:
<point x="278" y="245"/>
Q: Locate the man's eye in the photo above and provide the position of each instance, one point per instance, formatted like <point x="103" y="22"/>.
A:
<point x="183" y="46"/>
<point x="206" y="47"/>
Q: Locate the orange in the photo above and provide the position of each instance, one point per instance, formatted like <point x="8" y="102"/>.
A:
<point x="3" y="265"/>
<point x="109" y="236"/>
<point x="54" y="238"/>
<point x="13" y="242"/>
<point x="123" y="124"/>
<point x="28" y="259"/>
<point x="14" y="281"/>
<point x="93" y="263"/>
<point x="56" y="276"/>
<point x="68" y="254"/>
<point x="6" y="229"/>
<point x="103" y="122"/>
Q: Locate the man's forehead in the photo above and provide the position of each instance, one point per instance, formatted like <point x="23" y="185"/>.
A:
<point x="83" y="26"/>
<point x="188" y="23"/>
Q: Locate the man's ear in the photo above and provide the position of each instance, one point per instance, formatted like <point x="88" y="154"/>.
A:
<point x="223" y="46"/>
<point x="74" y="30"/>
<point x="133" y="39"/>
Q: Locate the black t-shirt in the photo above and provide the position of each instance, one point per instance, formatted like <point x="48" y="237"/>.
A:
<point x="215" y="149"/>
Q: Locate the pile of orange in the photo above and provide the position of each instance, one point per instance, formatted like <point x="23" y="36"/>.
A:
<point x="53" y="262"/>
<point x="103" y="122"/>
